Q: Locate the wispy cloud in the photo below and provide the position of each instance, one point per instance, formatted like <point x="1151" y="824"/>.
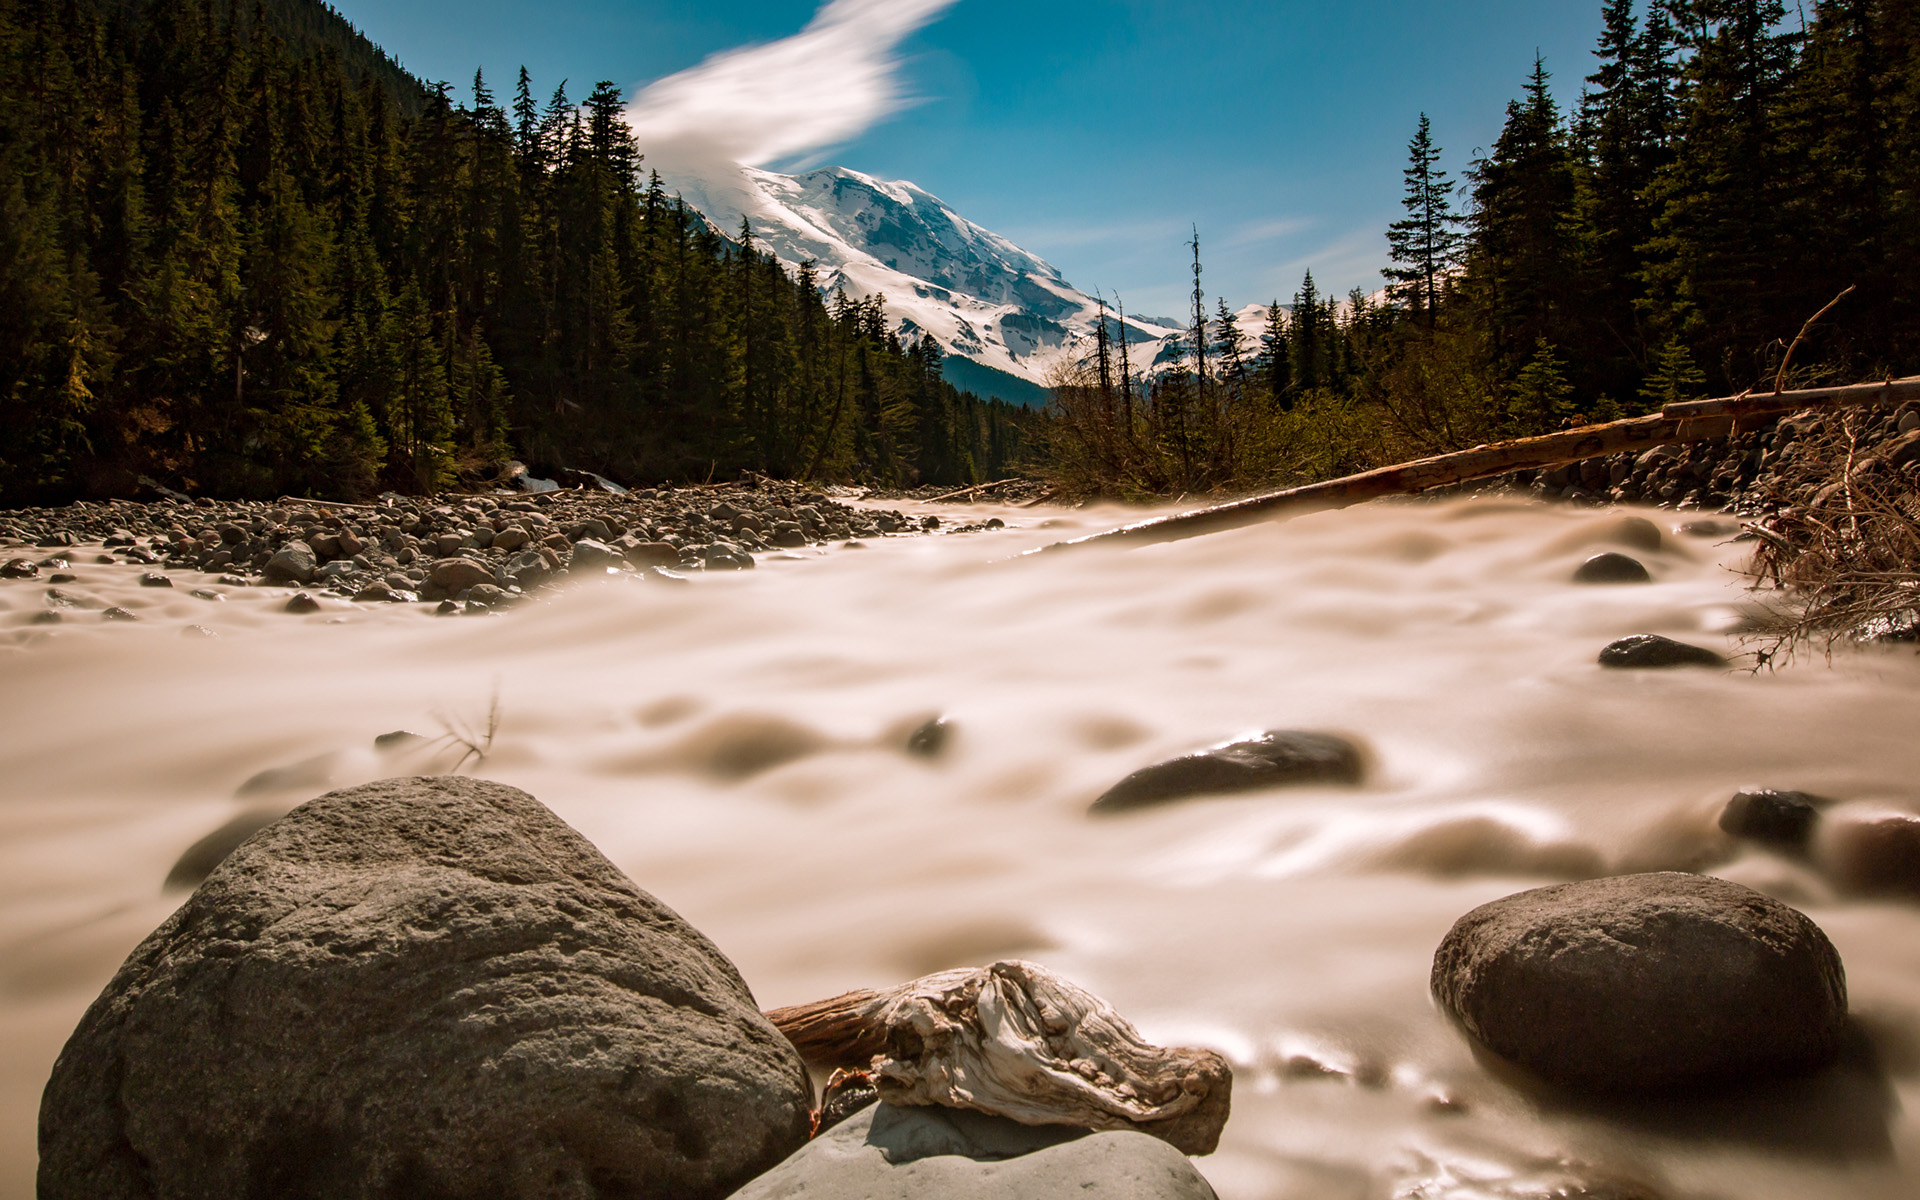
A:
<point x="1255" y="233"/>
<point x="756" y="105"/>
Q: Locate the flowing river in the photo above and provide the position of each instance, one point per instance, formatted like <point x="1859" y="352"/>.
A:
<point x="737" y="745"/>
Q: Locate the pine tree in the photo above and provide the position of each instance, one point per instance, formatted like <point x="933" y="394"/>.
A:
<point x="1522" y="224"/>
<point x="1423" y="246"/>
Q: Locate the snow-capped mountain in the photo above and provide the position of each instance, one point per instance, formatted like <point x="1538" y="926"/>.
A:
<point x="982" y="298"/>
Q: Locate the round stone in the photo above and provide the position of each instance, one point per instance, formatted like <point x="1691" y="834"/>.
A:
<point x="1645" y="983"/>
<point x="1611" y="568"/>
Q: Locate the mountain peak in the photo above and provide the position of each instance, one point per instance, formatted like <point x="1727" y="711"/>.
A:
<point x="977" y="294"/>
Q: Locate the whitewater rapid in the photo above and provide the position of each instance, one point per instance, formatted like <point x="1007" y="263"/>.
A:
<point x="736" y="743"/>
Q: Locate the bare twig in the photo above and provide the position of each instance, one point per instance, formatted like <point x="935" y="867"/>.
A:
<point x="1780" y="379"/>
<point x="475" y="742"/>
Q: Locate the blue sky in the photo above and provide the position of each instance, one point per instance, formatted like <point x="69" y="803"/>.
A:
<point x="1094" y="132"/>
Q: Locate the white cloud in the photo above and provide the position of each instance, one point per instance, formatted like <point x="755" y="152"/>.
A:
<point x="756" y="105"/>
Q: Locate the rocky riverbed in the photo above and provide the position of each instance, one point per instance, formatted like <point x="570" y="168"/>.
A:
<point x="476" y="551"/>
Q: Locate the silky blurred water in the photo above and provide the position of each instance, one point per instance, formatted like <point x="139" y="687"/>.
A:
<point x="736" y="743"/>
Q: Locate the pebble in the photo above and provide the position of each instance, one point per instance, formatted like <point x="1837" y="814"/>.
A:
<point x="116" y="613"/>
<point x="19" y="568"/>
<point x="153" y="579"/>
<point x="302" y="603"/>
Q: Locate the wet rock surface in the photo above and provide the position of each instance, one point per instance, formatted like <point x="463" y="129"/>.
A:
<point x="420" y="987"/>
<point x="1277" y="758"/>
<point x="890" y="1153"/>
<point x="1650" y="651"/>
<point x="1781" y="819"/>
<point x="1649" y="983"/>
<point x="1612" y="567"/>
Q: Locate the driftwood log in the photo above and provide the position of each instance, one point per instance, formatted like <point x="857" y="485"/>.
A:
<point x="974" y="490"/>
<point x="1690" y="421"/>
<point x="1017" y="1040"/>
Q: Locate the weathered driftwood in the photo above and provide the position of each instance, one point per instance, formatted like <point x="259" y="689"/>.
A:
<point x="976" y="488"/>
<point x="1017" y="1040"/>
<point x="1690" y="421"/>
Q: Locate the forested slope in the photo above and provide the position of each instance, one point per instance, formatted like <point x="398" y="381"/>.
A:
<point x="241" y="252"/>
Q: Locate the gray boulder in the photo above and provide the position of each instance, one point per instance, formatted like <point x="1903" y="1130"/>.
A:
<point x="420" y="988"/>
<point x="1645" y="983"/>
<point x="888" y="1153"/>
<point x="1277" y="758"/>
<point x="294" y="562"/>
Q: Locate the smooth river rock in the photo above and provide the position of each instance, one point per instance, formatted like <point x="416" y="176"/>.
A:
<point x="1647" y="651"/>
<point x="420" y="988"/>
<point x="889" y="1153"/>
<point x="1645" y="983"/>
<point x="1611" y="568"/>
<point x="1277" y="758"/>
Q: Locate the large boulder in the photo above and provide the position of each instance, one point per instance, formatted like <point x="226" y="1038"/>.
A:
<point x="1277" y="758"/>
<point x="420" y="988"/>
<point x="889" y="1153"/>
<point x="1645" y="983"/>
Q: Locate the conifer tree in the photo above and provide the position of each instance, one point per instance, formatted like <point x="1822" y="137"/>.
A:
<point x="1423" y="245"/>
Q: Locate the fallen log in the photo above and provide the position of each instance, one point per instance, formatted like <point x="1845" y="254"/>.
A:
<point x="1018" y="1041"/>
<point x="969" y="491"/>
<point x="1688" y="421"/>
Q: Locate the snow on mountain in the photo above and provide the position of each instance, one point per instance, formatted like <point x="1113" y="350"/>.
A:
<point x="977" y="294"/>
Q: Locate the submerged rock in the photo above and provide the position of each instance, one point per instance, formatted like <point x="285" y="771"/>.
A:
<point x="1645" y="651"/>
<point x="1875" y="855"/>
<point x="197" y="861"/>
<point x="1611" y="568"/>
<point x="1783" y="820"/>
<point x="890" y="1153"/>
<point x="1645" y="983"/>
<point x="1277" y="758"/>
<point x="420" y="987"/>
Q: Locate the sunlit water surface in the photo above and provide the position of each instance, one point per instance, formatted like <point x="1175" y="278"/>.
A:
<point x="736" y="745"/>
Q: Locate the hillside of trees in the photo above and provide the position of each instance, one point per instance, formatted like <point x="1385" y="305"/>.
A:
<point x="1725" y="174"/>
<point x="242" y="253"/>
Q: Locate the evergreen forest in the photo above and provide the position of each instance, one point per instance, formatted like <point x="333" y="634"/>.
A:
<point x="244" y="254"/>
<point x="1729" y="169"/>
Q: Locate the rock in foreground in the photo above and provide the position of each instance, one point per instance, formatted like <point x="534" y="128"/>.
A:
<point x="1646" y="983"/>
<point x="889" y="1153"/>
<point x="1276" y="758"/>
<point x="420" y="987"/>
